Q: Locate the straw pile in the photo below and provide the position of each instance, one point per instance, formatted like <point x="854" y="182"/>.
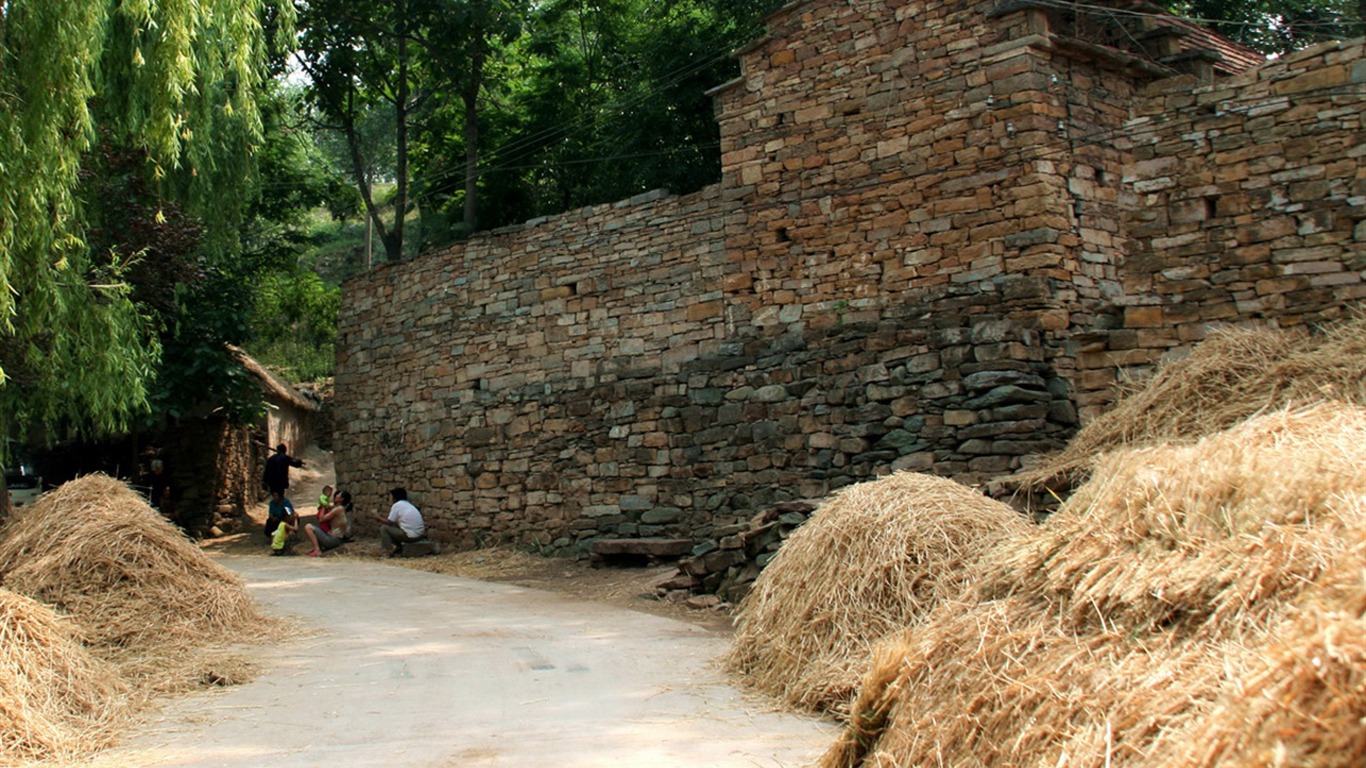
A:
<point x="1131" y="628"/>
<point x="1303" y="702"/>
<point x="1194" y="537"/>
<point x="1233" y="375"/>
<point x="56" y="700"/>
<point x="997" y="683"/>
<point x="140" y="593"/>
<point x="874" y="559"/>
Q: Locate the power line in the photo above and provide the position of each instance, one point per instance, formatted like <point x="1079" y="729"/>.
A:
<point x="525" y="145"/>
<point x="1204" y="21"/>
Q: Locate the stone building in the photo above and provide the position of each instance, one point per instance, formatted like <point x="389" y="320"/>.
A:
<point x="944" y="232"/>
<point x="213" y="463"/>
<point x="290" y="417"/>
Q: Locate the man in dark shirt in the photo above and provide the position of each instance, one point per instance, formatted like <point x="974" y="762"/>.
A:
<point x="276" y="476"/>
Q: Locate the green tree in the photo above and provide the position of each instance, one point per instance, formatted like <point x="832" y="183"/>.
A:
<point x="172" y="83"/>
<point x="399" y="60"/>
<point x="291" y="325"/>
<point x="501" y="110"/>
<point x="1278" y="26"/>
<point x="295" y="324"/>
<point x="359" y="58"/>
<point x="611" y="101"/>
<point x="462" y="48"/>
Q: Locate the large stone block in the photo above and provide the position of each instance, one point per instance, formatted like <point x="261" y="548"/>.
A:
<point x="653" y="548"/>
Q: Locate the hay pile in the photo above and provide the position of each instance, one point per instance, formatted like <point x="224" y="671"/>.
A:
<point x="144" y="610"/>
<point x="1131" y="628"/>
<point x="94" y="550"/>
<point x="874" y="559"/>
<point x="1232" y="376"/>
<point x="56" y="700"/>
<point x="1303" y="701"/>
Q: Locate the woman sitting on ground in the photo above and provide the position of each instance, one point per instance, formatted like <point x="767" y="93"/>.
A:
<point x="334" y="525"/>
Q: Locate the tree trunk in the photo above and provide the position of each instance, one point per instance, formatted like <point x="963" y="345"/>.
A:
<point x="366" y="193"/>
<point x="400" y="137"/>
<point x="471" y="99"/>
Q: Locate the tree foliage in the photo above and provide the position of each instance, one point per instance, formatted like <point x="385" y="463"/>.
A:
<point x="170" y="86"/>
<point x="295" y="317"/>
<point x="600" y="101"/>
<point x="407" y="61"/>
<point x="221" y="304"/>
<point x="359" y="58"/>
<point x="1278" y="26"/>
<point x="513" y="109"/>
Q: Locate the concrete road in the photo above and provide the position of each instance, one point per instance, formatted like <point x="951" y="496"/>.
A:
<point x="418" y="669"/>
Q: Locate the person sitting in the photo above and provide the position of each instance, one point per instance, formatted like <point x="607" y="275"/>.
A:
<point x="281" y="510"/>
<point x="333" y="527"/>
<point x="404" y="524"/>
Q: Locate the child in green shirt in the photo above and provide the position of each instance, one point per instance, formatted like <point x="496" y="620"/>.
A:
<point x="279" y="541"/>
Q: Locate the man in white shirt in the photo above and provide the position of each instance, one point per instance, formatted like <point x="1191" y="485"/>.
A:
<point x="404" y="524"/>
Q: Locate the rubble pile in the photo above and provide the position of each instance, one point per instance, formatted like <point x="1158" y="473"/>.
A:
<point x="723" y="570"/>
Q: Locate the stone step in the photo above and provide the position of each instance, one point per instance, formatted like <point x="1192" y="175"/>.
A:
<point x="639" y="552"/>
<point x="420" y="548"/>
<point x="654" y="548"/>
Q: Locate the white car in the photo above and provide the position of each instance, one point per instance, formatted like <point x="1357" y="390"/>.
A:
<point x="25" y="486"/>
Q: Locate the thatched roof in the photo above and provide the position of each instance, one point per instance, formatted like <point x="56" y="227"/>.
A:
<point x="275" y="387"/>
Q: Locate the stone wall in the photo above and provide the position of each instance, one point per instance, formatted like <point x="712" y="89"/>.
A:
<point x="939" y="230"/>
<point x="516" y="384"/>
<point x="1245" y="203"/>
<point x="215" y="474"/>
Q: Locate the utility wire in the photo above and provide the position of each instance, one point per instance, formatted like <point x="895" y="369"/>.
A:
<point x="1204" y="21"/>
<point x="1170" y="122"/>
<point x="509" y="153"/>
<point x="1057" y="4"/>
<point x="524" y="145"/>
<point x="531" y="141"/>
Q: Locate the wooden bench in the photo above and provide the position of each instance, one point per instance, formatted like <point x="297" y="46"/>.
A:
<point x="639" y="551"/>
<point x="420" y="548"/>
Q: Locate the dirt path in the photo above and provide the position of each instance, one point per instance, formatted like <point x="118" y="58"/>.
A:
<point x="403" y="667"/>
<point x="407" y="668"/>
<point x="417" y="669"/>
<point x="630" y="588"/>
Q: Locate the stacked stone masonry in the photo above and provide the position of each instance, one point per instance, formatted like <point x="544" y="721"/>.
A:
<point x="943" y="234"/>
<point x="1246" y="202"/>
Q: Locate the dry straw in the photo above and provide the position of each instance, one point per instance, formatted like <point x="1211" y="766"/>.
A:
<point x="1000" y="683"/>
<point x="56" y="700"/>
<point x="141" y="593"/>
<point x="1108" y="635"/>
<point x="874" y="559"/>
<point x="1302" y="702"/>
<point x="1200" y="536"/>
<point x="1233" y="375"/>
